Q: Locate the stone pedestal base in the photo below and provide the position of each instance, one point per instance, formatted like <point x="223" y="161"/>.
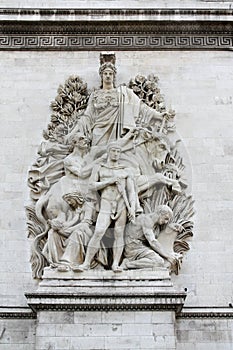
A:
<point x="106" y="310"/>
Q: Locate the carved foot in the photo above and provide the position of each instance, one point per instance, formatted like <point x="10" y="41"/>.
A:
<point x="116" y="268"/>
<point x="124" y="264"/>
<point x="63" y="268"/>
<point x="80" y="268"/>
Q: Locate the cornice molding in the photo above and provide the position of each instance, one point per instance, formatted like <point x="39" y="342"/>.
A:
<point x="116" y="12"/>
<point x="116" y="29"/>
<point x="107" y="302"/>
<point x="205" y="312"/>
<point x="186" y="313"/>
<point x="17" y="313"/>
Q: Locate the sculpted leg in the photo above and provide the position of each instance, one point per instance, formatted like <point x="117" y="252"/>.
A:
<point x="102" y="224"/>
<point x="74" y="251"/>
<point x="141" y="264"/>
<point x="154" y="260"/>
<point x="118" y="244"/>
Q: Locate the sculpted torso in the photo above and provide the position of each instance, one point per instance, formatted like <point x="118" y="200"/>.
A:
<point x="105" y="173"/>
<point x="118" y="188"/>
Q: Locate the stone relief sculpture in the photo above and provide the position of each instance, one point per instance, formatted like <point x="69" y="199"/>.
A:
<point x="108" y="189"/>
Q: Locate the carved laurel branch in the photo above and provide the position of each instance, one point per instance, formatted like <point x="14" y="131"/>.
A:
<point x="67" y="107"/>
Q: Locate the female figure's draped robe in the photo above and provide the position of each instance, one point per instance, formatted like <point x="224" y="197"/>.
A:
<point x="110" y="114"/>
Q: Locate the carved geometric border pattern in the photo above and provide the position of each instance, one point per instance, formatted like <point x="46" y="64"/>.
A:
<point x="104" y="307"/>
<point x="18" y="315"/>
<point x="105" y="302"/>
<point x="115" y="11"/>
<point x="117" y="42"/>
<point x="33" y="315"/>
<point x="204" y="315"/>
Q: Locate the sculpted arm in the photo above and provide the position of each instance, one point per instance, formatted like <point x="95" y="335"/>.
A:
<point x="154" y="243"/>
<point x="96" y="184"/>
<point x="132" y="197"/>
<point x="131" y="191"/>
<point x="75" y="169"/>
<point x="80" y="170"/>
<point x="149" y="113"/>
<point x="52" y="147"/>
<point x="92" y="164"/>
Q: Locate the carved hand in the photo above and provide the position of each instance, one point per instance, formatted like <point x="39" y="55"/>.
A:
<point x="176" y="227"/>
<point x="131" y="215"/>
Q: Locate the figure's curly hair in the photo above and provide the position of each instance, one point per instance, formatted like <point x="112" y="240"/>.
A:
<point x="164" y="209"/>
<point x="75" y="139"/>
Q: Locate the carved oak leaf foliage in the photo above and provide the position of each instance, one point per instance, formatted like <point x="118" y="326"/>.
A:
<point x="67" y="107"/>
<point x="146" y="88"/>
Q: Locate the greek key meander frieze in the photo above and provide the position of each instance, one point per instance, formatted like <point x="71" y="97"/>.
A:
<point x="123" y="42"/>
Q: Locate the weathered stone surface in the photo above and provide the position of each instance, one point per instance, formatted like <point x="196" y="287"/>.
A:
<point x="199" y="87"/>
<point x="205" y="148"/>
<point x="108" y="189"/>
<point x="108" y="330"/>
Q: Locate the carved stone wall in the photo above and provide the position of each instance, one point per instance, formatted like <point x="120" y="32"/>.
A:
<point x="197" y="92"/>
<point x="198" y="84"/>
<point x="139" y="29"/>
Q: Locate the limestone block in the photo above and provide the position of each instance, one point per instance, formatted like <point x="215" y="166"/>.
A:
<point x="17" y="334"/>
<point x="200" y="333"/>
<point x="42" y="330"/>
<point x="137" y="329"/>
<point x="100" y="330"/>
<point x="68" y="330"/>
<point x="127" y="342"/>
<point x="124" y="317"/>
<point x="162" y="317"/>
<point x="161" y="329"/>
<point x="89" y="317"/>
<point x="61" y="343"/>
<point x="86" y="343"/>
<point x="17" y="346"/>
<point x="214" y="346"/>
<point x="50" y="317"/>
